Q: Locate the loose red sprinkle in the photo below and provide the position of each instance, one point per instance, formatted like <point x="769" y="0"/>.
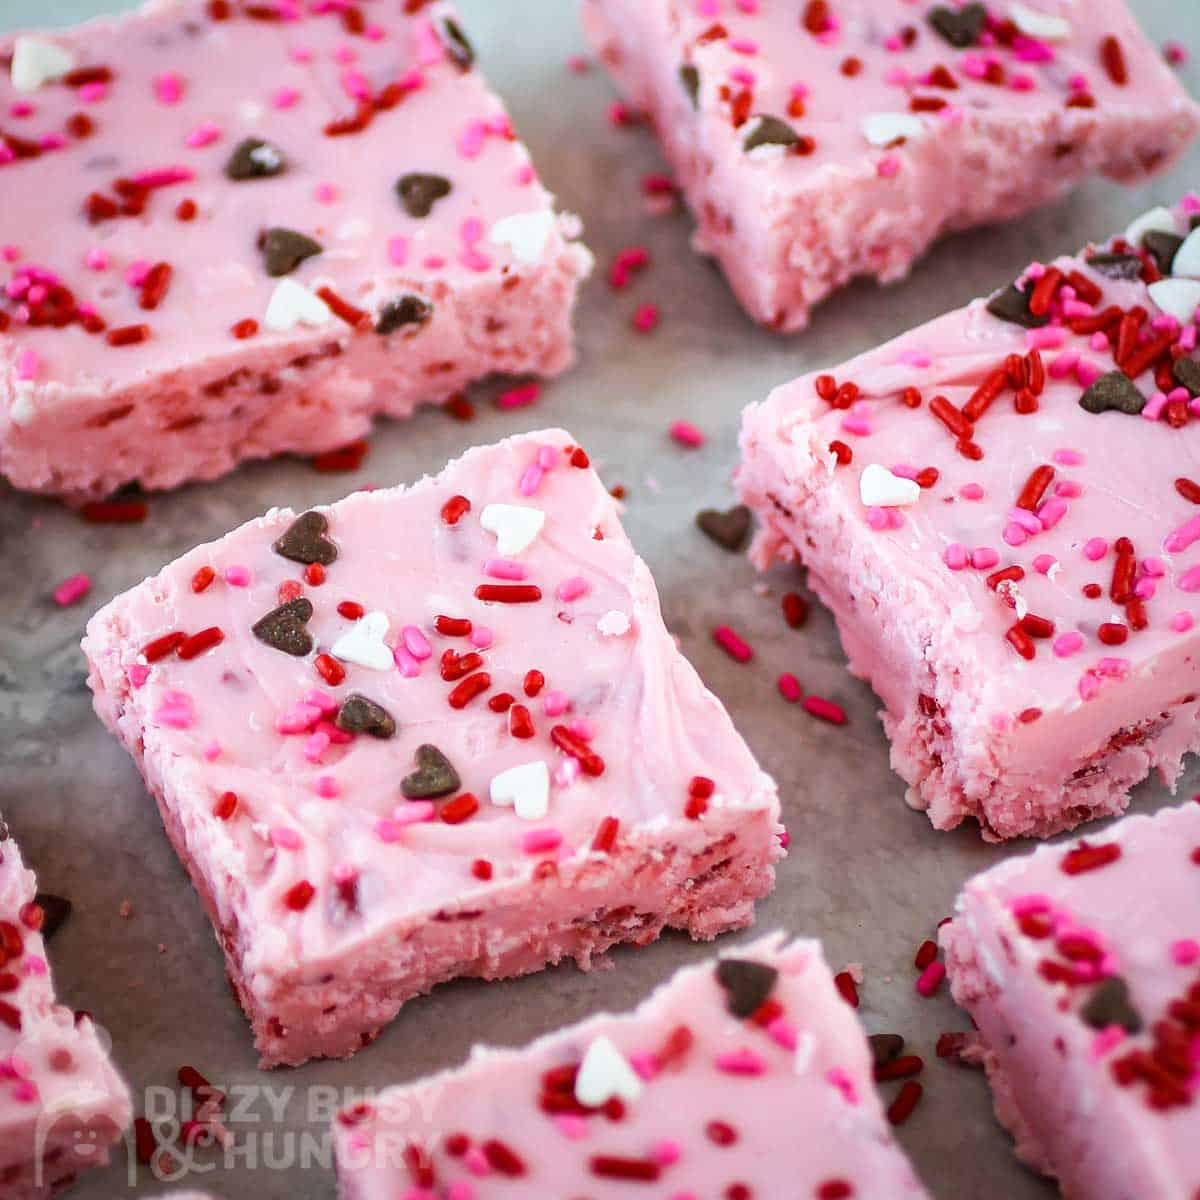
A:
<point x="844" y="982"/>
<point x="931" y="978"/>
<point x="817" y="17"/>
<point x="701" y="787"/>
<point x="196" y="645"/>
<point x="459" y="407"/>
<point x="452" y="626"/>
<point x="226" y="806"/>
<point x="795" y="609"/>
<point x="144" y="1141"/>
<point x="826" y="387"/>
<point x="949" y="416"/>
<point x="455" y="509"/>
<point x="606" y="835"/>
<point x="906" y="1100"/>
<point x="202" y="579"/>
<point x="299" y="895"/>
<point x="1113" y="58"/>
<point x="1020" y="641"/>
<point x="329" y="669"/>
<point x="824" y="710"/>
<point x="1089" y="858"/>
<point x="162" y="646"/>
<point x="508" y="593"/>
<point x="720" y="1133"/>
<point x="926" y="953"/>
<point x="732" y="644"/>
<point x="789" y="687"/>
<point x="455" y="811"/>
<point x="345" y="458"/>
<point x="127" y="335"/>
<point x="899" y="1068"/>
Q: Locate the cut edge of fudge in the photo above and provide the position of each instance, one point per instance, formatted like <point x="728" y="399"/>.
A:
<point x="875" y="216"/>
<point x="787" y="467"/>
<point x="73" y="1127"/>
<point x="584" y="1056"/>
<point x="1049" y="1127"/>
<point x="311" y="370"/>
<point x="701" y="876"/>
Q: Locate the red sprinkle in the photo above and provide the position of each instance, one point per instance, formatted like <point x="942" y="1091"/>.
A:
<point x="606" y="835"/>
<point x="127" y="335"/>
<point x="1089" y="858"/>
<point x="687" y="434"/>
<point x="455" y="509"/>
<point x="202" y="579"/>
<point x="926" y="953"/>
<point x="1113" y="58"/>
<point x="824" y="710"/>
<point x="356" y="318"/>
<point x="795" y="609"/>
<point x="481" y="869"/>
<point x="329" y="669"/>
<point x="508" y="593"/>
<point x="455" y="811"/>
<point x="162" y="646"/>
<point x="196" y="645"/>
<point x="247" y="327"/>
<point x="299" y="895"/>
<point x="906" y="1100"/>
<point x="590" y="762"/>
<point x="732" y="644"/>
<point x="226" y="806"/>
<point x="345" y="458"/>
<point x="789" y="687"/>
<point x="115" y="512"/>
<point x="534" y="682"/>
<point x="351" y="610"/>
<point x="470" y="687"/>
<point x="844" y="982"/>
<point x="931" y="978"/>
<point x="452" y="626"/>
<point x="1035" y="487"/>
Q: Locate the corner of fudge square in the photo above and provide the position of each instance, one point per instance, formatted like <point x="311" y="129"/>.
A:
<point x="426" y="733"/>
<point x="701" y="1091"/>
<point x="1080" y="967"/>
<point x="63" y="1106"/>
<point x="1002" y="510"/>
<point x="823" y="141"/>
<point x="235" y="230"/>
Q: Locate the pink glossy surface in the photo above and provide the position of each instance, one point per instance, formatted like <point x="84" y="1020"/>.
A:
<point x="810" y="1070"/>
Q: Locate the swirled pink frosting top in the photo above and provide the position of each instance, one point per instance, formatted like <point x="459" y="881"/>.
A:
<point x="233" y="229"/>
<point x="426" y="733"/>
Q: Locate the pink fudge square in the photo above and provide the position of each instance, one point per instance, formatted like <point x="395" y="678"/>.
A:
<point x="227" y="237"/>
<point x="686" y="1094"/>
<point x="1080" y="965"/>
<point x="989" y="506"/>
<point x="62" y="1103"/>
<point x="819" y="142"/>
<point x="471" y="748"/>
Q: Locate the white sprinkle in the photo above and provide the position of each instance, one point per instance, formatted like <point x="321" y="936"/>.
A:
<point x="613" y="624"/>
<point x="806" y="1047"/>
<point x="1157" y="220"/>
<point x="36" y="61"/>
<point x="516" y="526"/>
<point x="1178" y="298"/>
<point x="292" y="304"/>
<point x="525" y="789"/>
<point x="363" y="643"/>
<point x="526" y="234"/>
<point x="879" y="488"/>
<point x="1187" y="257"/>
<point x="605" y="1074"/>
<point x="884" y="128"/>
<point x="1043" y="26"/>
<point x="22" y="411"/>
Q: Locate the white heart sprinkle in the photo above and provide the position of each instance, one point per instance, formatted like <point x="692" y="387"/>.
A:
<point x="613" y="624"/>
<point x="1157" y="220"/>
<point x="605" y="1074"/>
<point x="1043" y="26"/>
<point x="1187" y="257"/>
<point x="516" y="526"/>
<point x="1178" y="298"/>
<point x="526" y="234"/>
<point x="879" y="488"/>
<point x="525" y="789"/>
<point x="363" y="643"/>
<point x="36" y="61"/>
<point x="292" y="304"/>
<point x="884" y="128"/>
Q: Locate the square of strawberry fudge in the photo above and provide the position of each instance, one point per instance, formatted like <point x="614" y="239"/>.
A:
<point x="62" y="1103"/>
<point x="816" y="142"/>
<point x="1000" y="508"/>
<point x="1080" y="966"/>
<point x="430" y="733"/>
<point x="700" y="1090"/>
<point x="234" y="230"/>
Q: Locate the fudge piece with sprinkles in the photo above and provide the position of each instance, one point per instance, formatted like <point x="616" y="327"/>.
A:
<point x="1000" y="508"/>
<point x="748" y="1077"/>
<point x="1080" y="965"/>
<point x="429" y="733"/>
<point x="822" y="140"/>
<point x="62" y="1103"/>
<point x="233" y="230"/>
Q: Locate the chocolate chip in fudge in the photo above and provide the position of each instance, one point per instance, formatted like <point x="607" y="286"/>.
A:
<point x="1012" y="305"/>
<point x="435" y="776"/>
<point x="961" y="27"/>
<point x="1187" y="374"/>
<point x="403" y="310"/>
<point x="747" y="984"/>
<point x="458" y="49"/>
<point x="283" y="627"/>
<point x="689" y="76"/>
<point x="283" y="250"/>
<point x="1162" y="247"/>
<point x="55" y="911"/>
<point x="1116" y="266"/>
<point x="254" y="158"/>
<point x="1109" y="1004"/>
<point x="727" y="529"/>
<point x="1114" y="392"/>
<point x="358" y="714"/>
<point x="419" y="192"/>
<point x="885" y="1047"/>
<point x="304" y="540"/>
<point x="766" y="130"/>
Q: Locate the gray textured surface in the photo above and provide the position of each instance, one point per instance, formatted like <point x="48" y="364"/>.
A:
<point x="865" y="873"/>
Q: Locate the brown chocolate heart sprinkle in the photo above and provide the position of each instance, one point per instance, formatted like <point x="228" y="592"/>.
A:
<point x="1109" y="1005"/>
<point x="419" y="192"/>
<point x="885" y="1047"/>
<point x="1012" y="305"/>
<point x="1117" y="266"/>
<point x="747" y="984"/>
<point x="960" y="27"/>
<point x="304" y="540"/>
<point x="1114" y="392"/>
<point x="689" y="76"/>
<point x="403" y="310"/>
<point x="458" y="49"/>
<point x="358" y="714"/>
<point x="283" y="250"/>
<point x="728" y="529"/>
<point x="55" y="911"/>
<point x="769" y="131"/>
<point x="254" y="158"/>
<point x="1162" y="247"/>
<point x="434" y="776"/>
<point x="283" y="627"/>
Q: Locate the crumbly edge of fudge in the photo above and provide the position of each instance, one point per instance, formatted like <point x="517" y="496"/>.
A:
<point x="946" y="759"/>
<point x="316" y="392"/>
<point x="793" y="248"/>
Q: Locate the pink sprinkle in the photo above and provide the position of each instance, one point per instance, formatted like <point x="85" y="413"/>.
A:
<point x="686" y="434"/>
<point x="1087" y="373"/>
<point x="25" y="1092"/>
<point x="1043" y="564"/>
<point x="930" y="978"/>
<point x="136" y="272"/>
<point x="888" y="166"/>
<point x="844" y="1082"/>
<point x="955" y="556"/>
<point x="1145" y="589"/>
<point x="327" y="787"/>
<point x="474" y="260"/>
<point x="316" y="745"/>
<point x="175" y="711"/>
<point x="1105" y="1040"/>
<point x="1181" y="622"/>
<point x="285" y="97"/>
<point x="137" y="674"/>
<point x="555" y="703"/>
<point x="1049" y="337"/>
<point x="824" y="710"/>
<point x="481" y="637"/>
<point x="571" y="1125"/>
<point x="326" y="193"/>
<point x="1095" y="549"/>
<point x="971" y="491"/>
<point x="504" y="568"/>
<point x="783" y="1032"/>
<point x="578" y="64"/>
<point x="1182" y="537"/>
<point x="733" y="645"/>
<point x="645" y="319"/>
<point x="91" y="93"/>
<point x="740" y="1062"/>
<point x="168" y="88"/>
<point x="582" y="728"/>
<point x="415" y="642"/>
<point x="1189" y="581"/>
<point x="984" y="558"/>
<point x="204" y="134"/>
<point x="285" y="838"/>
<point x="301" y="54"/>
<point x="525" y="174"/>
<point x="408" y="666"/>
<point x="72" y="589"/>
<point x="538" y="841"/>
<point x="397" y="248"/>
<point x="211" y="751"/>
<point x="1067" y="644"/>
<point x="1185" y="951"/>
<point x="388" y="830"/>
<point x="237" y="576"/>
<point x="521" y="396"/>
<point x="96" y="259"/>
<point x="572" y="589"/>
<point x="789" y="687"/>
<point x="1175" y="53"/>
<point x="28" y="362"/>
<point x="470" y="141"/>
